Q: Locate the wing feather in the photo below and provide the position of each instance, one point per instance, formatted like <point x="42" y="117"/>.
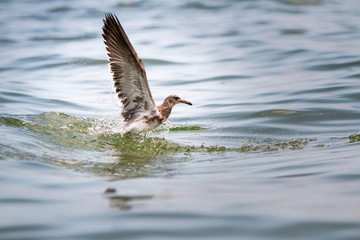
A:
<point x="127" y="69"/>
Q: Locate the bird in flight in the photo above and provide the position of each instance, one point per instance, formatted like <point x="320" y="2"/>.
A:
<point x="132" y="88"/>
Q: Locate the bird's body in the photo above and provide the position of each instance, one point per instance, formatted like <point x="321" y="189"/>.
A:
<point x="139" y="110"/>
<point x="143" y="124"/>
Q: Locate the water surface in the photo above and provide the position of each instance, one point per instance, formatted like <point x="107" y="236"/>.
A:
<point x="269" y="150"/>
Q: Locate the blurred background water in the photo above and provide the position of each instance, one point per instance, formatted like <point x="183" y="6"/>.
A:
<point x="270" y="149"/>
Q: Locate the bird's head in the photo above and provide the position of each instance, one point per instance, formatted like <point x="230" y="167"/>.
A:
<point x="175" y="99"/>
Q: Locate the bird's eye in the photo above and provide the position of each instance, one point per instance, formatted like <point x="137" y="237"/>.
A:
<point x="177" y="98"/>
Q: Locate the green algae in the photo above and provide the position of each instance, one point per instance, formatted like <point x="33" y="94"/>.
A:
<point x="186" y="128"/>
<point x="93" y="146"/>
<point x="355" y="137"/>
<point x="138" y="145"/>
<point x="178" y="129"/>
<point x="14" y="122"/>
<point x="75" y="132"/>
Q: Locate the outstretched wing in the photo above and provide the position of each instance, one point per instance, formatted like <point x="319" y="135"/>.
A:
<point x="127" y="69"/>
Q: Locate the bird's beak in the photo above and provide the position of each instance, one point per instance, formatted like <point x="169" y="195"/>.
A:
<point x="186" y="102"/>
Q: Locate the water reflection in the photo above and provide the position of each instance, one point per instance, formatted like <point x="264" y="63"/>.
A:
<point x="124" y="202"/>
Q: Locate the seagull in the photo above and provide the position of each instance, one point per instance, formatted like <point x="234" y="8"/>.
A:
<point x="132" y="88"/>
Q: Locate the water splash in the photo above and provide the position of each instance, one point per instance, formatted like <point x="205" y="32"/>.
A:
<point x="101" y="150"/>
<point x="109" y="125"/>
<point x="104" y="134"/>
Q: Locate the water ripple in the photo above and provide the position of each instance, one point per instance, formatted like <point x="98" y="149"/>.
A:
<point x="64" y="38"/>
<point x="334" y="66"/>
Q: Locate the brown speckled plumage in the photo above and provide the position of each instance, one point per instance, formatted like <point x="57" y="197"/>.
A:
<point x="130" y="82"/>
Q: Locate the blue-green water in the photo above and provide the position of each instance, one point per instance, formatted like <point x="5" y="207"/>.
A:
<point x="270" y="149"/>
